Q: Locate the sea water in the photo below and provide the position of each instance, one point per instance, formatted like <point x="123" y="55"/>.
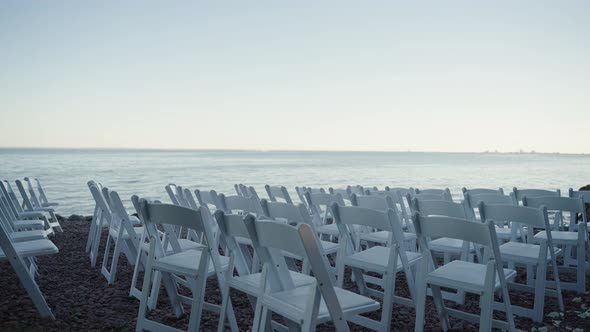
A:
<point x="65" y="172"/>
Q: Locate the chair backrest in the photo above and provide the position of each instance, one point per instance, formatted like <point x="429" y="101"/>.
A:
<point x="379" y="203"/>
<point x="290" y="213"/>
<point x="533" y="217"/>
<point x="6" y="215"/>
<point x="445" y="192"/>
<point x="520" y="193"/>
<point x="7" y="190"/>
<point x="208" y="198"/>
<point x="23" y="193"/>
<point x="101" y="202"/>
<point x="272" y="239"/>
<point x="425" y="197"/>
<point x="32" y="194"/>
<point x="172" y="219"/>
<point x="241" y="190"/>
<point x="478" y="191"/>
<point x="583" y="194"/>
<point x="319" y="204"/>
<point x="439" y="208"/>
<point x="346" y="192"/>
<point x="483" y="234"/>
<point x="558" y="204"/>
<point x="238" y="204"/>
<point x="120" y="217"/>
<point x="232" y="226"/>
<point x="472" y="200"/>
<point x="275" y="192"/>
<point x="42" y="195"/>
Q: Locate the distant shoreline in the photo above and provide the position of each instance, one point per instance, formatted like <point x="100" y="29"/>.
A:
<point x="147" y="150"/>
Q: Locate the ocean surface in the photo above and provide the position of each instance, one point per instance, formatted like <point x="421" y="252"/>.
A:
<point x="64" y="173"/>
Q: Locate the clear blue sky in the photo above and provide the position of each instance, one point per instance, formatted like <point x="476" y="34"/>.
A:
<point x="316" y="75"/>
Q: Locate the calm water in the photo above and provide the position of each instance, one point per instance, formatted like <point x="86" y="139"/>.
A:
<point x="64" y="173"/>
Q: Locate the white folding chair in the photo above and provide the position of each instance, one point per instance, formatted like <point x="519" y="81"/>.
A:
<point x="519" y="194"/>
<point x="20" y="225"/>
<point x="124" y="236"/>
<point x="43" y="196"/>
<point x="484" y="279"/>
<point x="381" y="202"/>
<point x="20" y="218"/>
<point x="297" y="214"/>
<point x="386" y="261"/>
<point x="346" y="193"/>
<point x="34" y="205"/>
<point x="508" y="232"/>
<point x="232" y="227"/>
<point x="20" y="256"/>
<point x="306" y="306"/>
<point x="575" y="236"/>
<point x="319" y="204"/>
<point x="102" y="218"/>
<point x="534" y="253"/>
<point x="189" y="268"/>
<point x="16" y="234"/>
<point x="275" y="192"/>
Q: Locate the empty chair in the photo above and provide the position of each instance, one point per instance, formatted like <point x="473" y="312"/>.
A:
<point x="386" y="261"/>
<point x="20" y="256"/>
<point x="102" y="218"/>
<point x="42" y="196"/>
<point x="232" y="227"/>
<point x="303" y="306"/>
<point x="483" y="279"/>
<point x="302" y="190"/>
<point x="17" y="234"/>
<point x="34" y="205"/>
<point x="124" y="236"/>
<point x="297" y="214"/>
<point x="20" y="218"/>
<point x="346" y="192"/>
<point x="573" y="237"/>
<point x="519" y="194"/>
<point x="444" y="192"/>
<point x="319" y="204"/>
<point x="209" y="199"/>
<point x="535" y="253"/>
<point x="382" y="202"/>
<point x="478" y="191"/>
<point x="426" y="197"/>
<point x="505" y="232"/>
<point x="275" y="192"/>
<point x="189" y="268"/>
<point x="22" y="224"/>
<point x="241" y="190"/>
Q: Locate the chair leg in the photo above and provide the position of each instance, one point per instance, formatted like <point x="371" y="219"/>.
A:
<point x="198" y="298"/>
<point x="440" y="307"/>
<point x="540" y="281"/>
<point x="115" y="262"/>
<point x="223" y="308"/>
<point x="144" y="296"/>
<point x="420" y="302"/>
<point x="580" y="268"/>
<point x="486" y="302"/>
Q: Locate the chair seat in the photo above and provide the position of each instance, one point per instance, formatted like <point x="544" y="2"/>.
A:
<point x="382" y="237"/>
<point x="185" y="244"/>
<point x="525" y="253"/>
<point x="134" y="220"/>
<point x="31" y="214"/>
<point x="43" y="209"/>
<point x="560" y="237"/>
<point x="32" y="248"/>
<point x="464" y="275"/>
<point x="330" y="247"/>
<point x="505" y="233"/>
<point x="187" y="263"/>
<point x="330" y="229"/>
<point x="375" y="259"/>
<point x="114" y="233"/>
<point x="446" y="244"/>
<point x="250" y="283"/>
<point x="28" y="235"/>
<point x="28" y="224"/>
<point x="293" y="303"/>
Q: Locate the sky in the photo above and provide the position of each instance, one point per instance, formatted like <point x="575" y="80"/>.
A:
<point x="434" y="75"/>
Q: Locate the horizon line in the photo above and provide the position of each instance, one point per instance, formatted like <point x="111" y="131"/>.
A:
<point x="283" y="150"/>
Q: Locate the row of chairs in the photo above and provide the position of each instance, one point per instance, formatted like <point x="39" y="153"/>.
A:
<point x="24" y="231"/>
<point x="372" y="212"/>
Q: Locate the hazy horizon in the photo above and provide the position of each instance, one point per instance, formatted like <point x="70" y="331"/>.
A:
<point x="426" y="76"/>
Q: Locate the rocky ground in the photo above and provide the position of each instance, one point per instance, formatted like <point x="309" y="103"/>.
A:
<point x="82" y="301"/>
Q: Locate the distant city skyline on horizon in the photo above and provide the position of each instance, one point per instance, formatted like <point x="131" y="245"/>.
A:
<point x="333" y="76"/>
